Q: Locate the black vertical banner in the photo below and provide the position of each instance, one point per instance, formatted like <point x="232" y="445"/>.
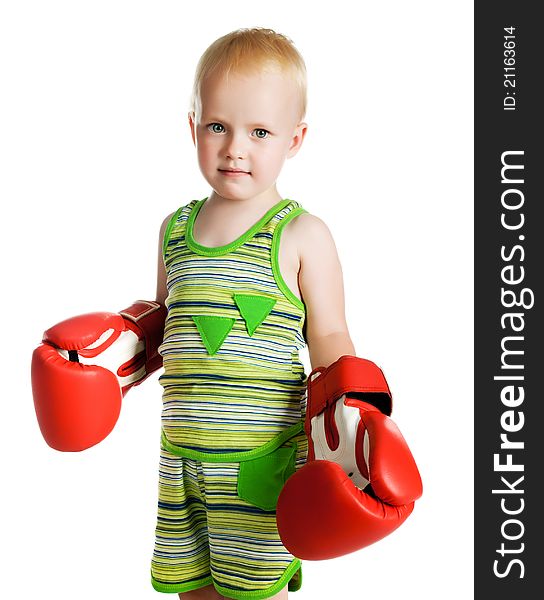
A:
<point x="509" y="336"/>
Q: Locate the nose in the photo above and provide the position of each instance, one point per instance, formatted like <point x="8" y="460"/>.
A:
<point x="236" y="148"/>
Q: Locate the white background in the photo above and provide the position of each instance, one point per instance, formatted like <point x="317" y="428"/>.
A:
<point x="96" y="151"/>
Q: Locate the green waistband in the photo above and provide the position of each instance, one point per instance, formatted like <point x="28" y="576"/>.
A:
<point x="274" y="443"/>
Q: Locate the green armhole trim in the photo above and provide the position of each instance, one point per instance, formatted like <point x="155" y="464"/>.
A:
<point x="172" y="588"/>
<point x="271" y="591"/>
<point x="168" y="231"/>
<point x="275" y="260"/>
<point x="218" y="250"/>
<point x="274" y="443"/>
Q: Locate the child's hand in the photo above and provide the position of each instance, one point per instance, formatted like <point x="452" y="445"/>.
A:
<point x="361" y="480"/>
<point x="84" y="367"/>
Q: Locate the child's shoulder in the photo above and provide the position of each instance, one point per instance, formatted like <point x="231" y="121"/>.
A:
<point x="171" y="217"/>
<point x="308" y="226"/>
<point x="168" y="221"/>
<point x="309" y="233"/>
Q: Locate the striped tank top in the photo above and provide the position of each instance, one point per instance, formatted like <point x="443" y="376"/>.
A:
<point x="233" y="380"/>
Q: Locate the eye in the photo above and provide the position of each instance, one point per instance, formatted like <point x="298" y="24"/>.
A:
<point x="215" y="127"/>
<point x="262" y="133"/>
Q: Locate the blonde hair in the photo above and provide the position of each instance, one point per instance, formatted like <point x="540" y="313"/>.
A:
<point x="247" y="51"/>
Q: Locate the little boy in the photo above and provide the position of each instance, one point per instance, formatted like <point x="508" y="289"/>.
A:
<point x="248" y="279"/>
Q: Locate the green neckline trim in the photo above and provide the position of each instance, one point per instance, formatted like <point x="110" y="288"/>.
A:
<point x="275" y="257"/>
<point x="218" y="250"/>
<point x="274" y="443"/>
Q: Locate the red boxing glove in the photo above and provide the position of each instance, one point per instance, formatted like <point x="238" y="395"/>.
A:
<point x="86" y="365"/>
<point x="361" y="480"/>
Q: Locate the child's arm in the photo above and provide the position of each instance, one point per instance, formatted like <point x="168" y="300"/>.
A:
<point x="322" y="288"/>
<point x="162" y="292"/>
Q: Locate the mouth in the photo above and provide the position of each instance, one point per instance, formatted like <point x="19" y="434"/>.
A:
<point x="234" y="172"/>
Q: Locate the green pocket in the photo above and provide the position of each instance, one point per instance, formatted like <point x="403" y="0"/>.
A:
<point x="260" y="480"/>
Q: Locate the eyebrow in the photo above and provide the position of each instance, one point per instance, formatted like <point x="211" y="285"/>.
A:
<point x="217" y="119"/>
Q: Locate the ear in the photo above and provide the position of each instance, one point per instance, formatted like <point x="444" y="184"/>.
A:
<point x="191" y="117"/>
<point x="298" y="138"/>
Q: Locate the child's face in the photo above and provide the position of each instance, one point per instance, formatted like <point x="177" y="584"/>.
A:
<point x="251" y="123"/>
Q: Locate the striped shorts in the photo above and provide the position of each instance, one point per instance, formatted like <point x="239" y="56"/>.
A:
<point x="217" y="520"/>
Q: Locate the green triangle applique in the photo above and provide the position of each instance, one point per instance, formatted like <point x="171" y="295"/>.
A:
<point x="254" y="309"/>
<point x="213" y="330"/>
